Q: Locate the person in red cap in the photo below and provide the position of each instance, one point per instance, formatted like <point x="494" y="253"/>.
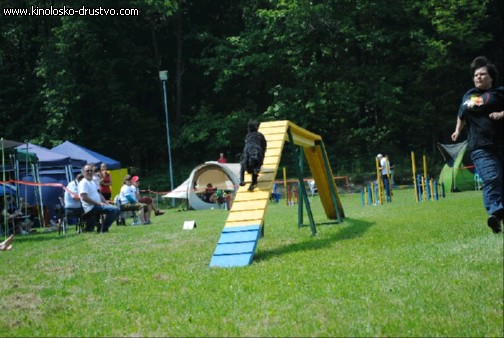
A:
<point x="146" y="199"/>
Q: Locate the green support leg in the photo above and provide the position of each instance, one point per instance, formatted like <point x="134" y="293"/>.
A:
<point x="302" y="190"/>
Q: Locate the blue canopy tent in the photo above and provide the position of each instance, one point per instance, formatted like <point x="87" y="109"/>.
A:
<point x="51" y="167"/>
<point x="91" y="157"/>
<point x="8" y="188"/>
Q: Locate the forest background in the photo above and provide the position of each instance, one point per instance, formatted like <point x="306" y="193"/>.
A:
<point x="370" y="76"/>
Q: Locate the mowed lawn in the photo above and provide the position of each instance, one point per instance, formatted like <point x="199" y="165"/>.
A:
<point x="402" y="269"/>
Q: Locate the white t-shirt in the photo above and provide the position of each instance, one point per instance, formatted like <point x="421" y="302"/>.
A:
<point x="96" y="180"/>
<point x="385" y="166"/>
<point x="69" y="198"/>
<point x="125" y="191"/>
<point x="89" y="188"/>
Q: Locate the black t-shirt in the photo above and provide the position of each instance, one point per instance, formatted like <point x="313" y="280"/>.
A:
<point x="482" y="131"/>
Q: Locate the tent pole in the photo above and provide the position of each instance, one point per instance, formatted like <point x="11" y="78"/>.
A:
<point x="3" y="183"/>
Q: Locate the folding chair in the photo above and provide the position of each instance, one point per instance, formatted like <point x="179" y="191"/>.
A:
<point x="125" y="213"/>
<point x="64" y="214"/>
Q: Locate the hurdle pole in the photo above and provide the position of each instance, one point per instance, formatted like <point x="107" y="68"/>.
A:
<point x="379" y="181"/>
<point x="414" y="174"/>
<point x="425" y="167"/>
<point x="427" y="189"/>
<point x="432" y="188"/>
<point x="389" y="198"/>
<point x="285" y="185"/>
<point x="419" y="184"/>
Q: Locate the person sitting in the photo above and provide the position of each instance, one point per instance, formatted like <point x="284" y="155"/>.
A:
<point x="209" y="195"/>
<point x="28" y="219"/>
<point x="71" y="197"/>
<point x="19" y="223"/>
<point x="145" y="199"/>
<point x="129" y="201"/>
<point x="7" y="244"/>
<point x="13" y="220"/>
<point x="94" y="203"/>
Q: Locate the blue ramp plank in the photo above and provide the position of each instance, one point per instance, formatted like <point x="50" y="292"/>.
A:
<point x="229" y="261"/>
<point x="236" y="246"/>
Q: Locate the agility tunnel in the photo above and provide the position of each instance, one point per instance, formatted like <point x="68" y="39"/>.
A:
<point x="244" y="225"/>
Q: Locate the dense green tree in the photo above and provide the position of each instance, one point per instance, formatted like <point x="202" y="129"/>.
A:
<point x="370" y="76"/>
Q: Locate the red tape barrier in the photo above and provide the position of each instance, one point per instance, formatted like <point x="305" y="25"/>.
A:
<point x="33" y="184"/>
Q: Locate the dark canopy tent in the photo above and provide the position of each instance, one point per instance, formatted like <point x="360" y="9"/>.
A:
<point x="50" y="159"/>
<point x="51" y="167"/>
<point x="91" y="157"/>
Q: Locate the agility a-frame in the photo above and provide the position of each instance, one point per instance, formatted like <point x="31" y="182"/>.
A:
<point x="244" y="226"/>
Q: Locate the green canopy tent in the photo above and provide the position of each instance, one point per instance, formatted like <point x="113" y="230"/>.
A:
<point x="12" y="159"/>
<point x="458" y="172"/>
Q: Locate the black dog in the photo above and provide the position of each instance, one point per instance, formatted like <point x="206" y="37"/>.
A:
<point x="253" y="154"/>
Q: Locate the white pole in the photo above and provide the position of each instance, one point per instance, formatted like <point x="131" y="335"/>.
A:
<point x="163" y="75"/>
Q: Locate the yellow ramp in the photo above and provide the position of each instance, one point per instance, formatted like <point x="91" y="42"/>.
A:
<point x="241" y="232"/>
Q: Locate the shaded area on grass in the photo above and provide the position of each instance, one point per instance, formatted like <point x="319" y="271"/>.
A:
<point x="350" y="229"/>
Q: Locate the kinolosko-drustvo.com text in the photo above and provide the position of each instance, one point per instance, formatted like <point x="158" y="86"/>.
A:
<point x="68" y="11"/>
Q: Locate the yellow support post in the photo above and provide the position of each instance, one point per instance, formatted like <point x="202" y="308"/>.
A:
<point x="379" y="182"/>
<point x="413" y="166"/>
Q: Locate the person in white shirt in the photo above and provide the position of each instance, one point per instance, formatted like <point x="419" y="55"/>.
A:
<point x="385" y="174"/>
<point x="71" y="197"/>
<point x="94" y="204"/>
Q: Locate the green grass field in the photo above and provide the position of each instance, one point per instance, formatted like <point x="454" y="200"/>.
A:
<point x="401" y="269"/>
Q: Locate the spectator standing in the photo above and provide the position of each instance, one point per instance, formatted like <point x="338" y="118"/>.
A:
<point x="482" y="111"/>
<point x="105" y="182"/>
<point x="385" y="174"/>
<point x="222" y="158"/>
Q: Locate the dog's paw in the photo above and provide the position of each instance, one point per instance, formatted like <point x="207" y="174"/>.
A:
<point x="242" y="183"/>
<point x="251" y="187"/>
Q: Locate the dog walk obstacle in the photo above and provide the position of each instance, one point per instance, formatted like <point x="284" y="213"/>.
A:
<point x="245" y="223"/>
